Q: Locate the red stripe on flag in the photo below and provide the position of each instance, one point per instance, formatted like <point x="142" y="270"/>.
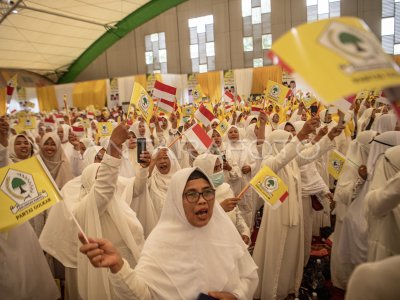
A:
<point x="205" y="112"/>
<point x="284" y="196"/>
<point x="78" y="129"/>
<point x="202" y="135"/>
<point x="165" y="88"/>
<point x="169" y="103"/>
<point x="229" y="95"/>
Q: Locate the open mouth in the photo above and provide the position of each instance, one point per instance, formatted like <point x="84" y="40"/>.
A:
<point x="202" y="214"/>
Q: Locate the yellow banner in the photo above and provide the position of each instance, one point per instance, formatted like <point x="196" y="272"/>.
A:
<point x="270" y="187"/>
<point x="336" y="162"/>
<point x="337" y="57"/>
<point x="276" y="92"/>
<point x="104" y="129"/>
<point x="197" y="93"/>
<point x="142" y="101"/>
<point x="26" y="190"/>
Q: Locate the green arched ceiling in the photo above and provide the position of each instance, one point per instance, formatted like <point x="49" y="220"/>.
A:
<point x="113" y="35"/>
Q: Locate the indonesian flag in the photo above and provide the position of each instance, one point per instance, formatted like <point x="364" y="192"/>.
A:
<point x="78" y="131"/>
<point x="228" y="108"/>
<point x="204" y="115"/>
<point x="164" y="91"/>
<point x="166" y="106"/>
<point x="90" y="115"/>
<point x="229" y="97"/>
<point x="198" y="138"/>
<point x="11" y="85"/>
<point x="255" y="110"/>
<point x="59" y="117"/>
<point x="49" y="122"/>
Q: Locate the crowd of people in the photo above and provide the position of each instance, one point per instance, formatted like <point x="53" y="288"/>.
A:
<point x="171" y="222"/>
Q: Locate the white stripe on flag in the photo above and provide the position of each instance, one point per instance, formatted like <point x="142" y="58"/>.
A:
<point x="166" y="105"/>
<point x="198" y="138"/>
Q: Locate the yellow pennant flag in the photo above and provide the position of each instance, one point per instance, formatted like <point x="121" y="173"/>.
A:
<point x="26" y="190"/>
<point x="336" y="162"/>
<point x="104" y="129"/>
<point x="276" y="92"/>
<point x="337" y="57"/>
<point x="197" y="93"/>
<point x="270" y="187"/>
<point x="142" y="101"/>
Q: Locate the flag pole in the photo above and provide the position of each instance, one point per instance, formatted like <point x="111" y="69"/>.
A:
<point x="243" y="190"/>
<point x="174" y="141"/>
<point x="67" y="109"/>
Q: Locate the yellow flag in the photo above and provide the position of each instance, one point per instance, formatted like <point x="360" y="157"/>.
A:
<point x="104" y="129"/>
<point x="26" y="190"/>
<point x="270" y="187"/>
<point x="276" y="92"/>
<point x="309" y="100"/>
<point x="187" y="111"/>
<point x="222" y="127"/>
<point x="336" y="162"/>
<point x="26" y="123"/>
<point x="197" y="93"/>
<point x="142" y="101"/>
<point x="337" y="57"/>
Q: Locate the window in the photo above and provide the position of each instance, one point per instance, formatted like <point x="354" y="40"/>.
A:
<point x="322" y="9"/>
<point x="257" y="37"/>
<point x="390" y="26"/>
<point x="156" y="53"/>
<point x="202" y="46"/>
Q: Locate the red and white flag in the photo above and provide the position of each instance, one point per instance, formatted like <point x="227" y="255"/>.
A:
<point x="229" y="97"/>
<point x="198" y="138"/>
<point x="78" y="131"/>
<point x="204" y="115"/>
<point x="228" y="108"/>
<point x="59" y="117"/>
<point x="164" y="91"/>
<point x="11" y="86"/>
<point x="49" y="122"/>
<point x="166" y="106"/>
<point x="90" y="115"/>
<point x="255" y="110"/>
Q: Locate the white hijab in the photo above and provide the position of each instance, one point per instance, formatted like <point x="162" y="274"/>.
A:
<point x="386" y="122"/>
<point x="87" y="214"/>
<point x="159" y="183"/>
<point x="290" y="174"/>
<point x="179" y="261"/>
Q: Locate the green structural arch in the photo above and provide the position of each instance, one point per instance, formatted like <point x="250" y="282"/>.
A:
<point x="123" y="27"/>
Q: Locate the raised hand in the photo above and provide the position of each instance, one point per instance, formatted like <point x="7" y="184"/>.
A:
<point x="229" y="204"/>
<point x="335" y="131"/>
<point x="4" y="131"/>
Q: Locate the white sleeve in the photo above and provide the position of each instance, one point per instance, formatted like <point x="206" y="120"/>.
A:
<point x="4" y="160"/>
<point x="248" y="280"/>
<point x="76" y="163"/>
<point x="382" y="201"/>
<point x="314" y="152"/>
<point x="140" y="181"/>
<point x="280" y="160"/>
<point x="127" y="285"/>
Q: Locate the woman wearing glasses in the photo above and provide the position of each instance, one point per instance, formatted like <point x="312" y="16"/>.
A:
<point x="194" y="249"/>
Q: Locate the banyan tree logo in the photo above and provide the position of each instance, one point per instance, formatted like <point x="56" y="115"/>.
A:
<point x="275" y="91"/>
<point x="359" y="47"/>
<point x="270" y="185"/>
<point x="144" y="102"/>
<point x="20" y="187"/>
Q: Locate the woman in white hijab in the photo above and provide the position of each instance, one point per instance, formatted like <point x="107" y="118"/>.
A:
<point x="279" y="249"/>
<point x="386" y="122"/>
<point x="20" y="148"/>
<point x="67" y="147"/>
<point x="164" y="166"/>
<point x="141" y="130"/>
<point x="101" y="214"/>
<point x="241" y="163"/>
<point x="383" y="207"/>
<point x="356" y="157"/>
<point x="353" y="244"/>
<point x="212" y="165"/>
<point x="21" y="255"/>
<point x="194" y="249"/>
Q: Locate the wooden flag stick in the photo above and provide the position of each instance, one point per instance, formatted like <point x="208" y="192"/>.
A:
<point x="243" y="191"/>
<point x="76" y="222"/>
<point x="67" y="110"/>
<point x="174" y="141"/>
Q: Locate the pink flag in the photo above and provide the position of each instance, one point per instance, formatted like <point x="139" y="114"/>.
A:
<point x="198" y="138"/>
<point x="204" y="115"/>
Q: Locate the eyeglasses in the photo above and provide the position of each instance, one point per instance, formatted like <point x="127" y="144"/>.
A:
<point x="194" y="196"/>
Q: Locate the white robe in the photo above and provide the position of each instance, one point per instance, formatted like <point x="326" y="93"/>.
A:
<point x="180" y="261"/>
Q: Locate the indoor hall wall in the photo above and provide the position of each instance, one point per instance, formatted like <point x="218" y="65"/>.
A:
<point x="126" y="57"/>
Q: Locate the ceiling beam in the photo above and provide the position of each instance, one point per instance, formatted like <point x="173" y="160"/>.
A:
<point x="135" y="19"/>
<point x="9" y="10"/>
